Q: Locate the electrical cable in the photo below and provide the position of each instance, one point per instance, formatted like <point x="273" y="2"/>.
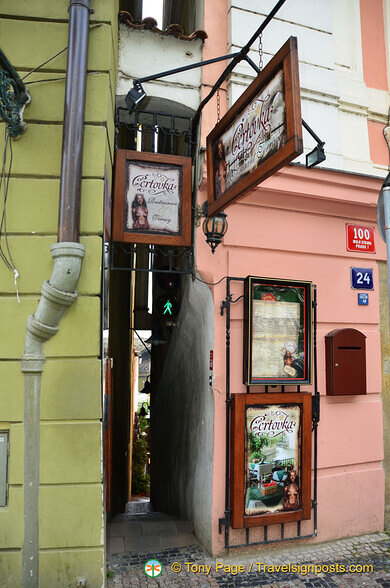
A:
<point x="6" y="256"/>
<point x="46" y="80"/>
<point x="44" y="62"/>
<point x="54" y="56"/>
<point x="142" y="341"/>
<point x="209" y="283"/>
<point x="2" y="181"/>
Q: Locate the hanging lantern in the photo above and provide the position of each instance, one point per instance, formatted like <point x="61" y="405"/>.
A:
<point x="215" y="228"/>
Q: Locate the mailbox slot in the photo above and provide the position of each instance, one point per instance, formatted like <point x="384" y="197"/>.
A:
<point x="345" y="362"/>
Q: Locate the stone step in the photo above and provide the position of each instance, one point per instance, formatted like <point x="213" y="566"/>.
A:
<point x="137" y="531"/>
<point x="136" y="507"/>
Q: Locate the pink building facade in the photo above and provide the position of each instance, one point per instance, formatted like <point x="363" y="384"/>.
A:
<point x="293" y="226"/>
<point x="290" y="227"/>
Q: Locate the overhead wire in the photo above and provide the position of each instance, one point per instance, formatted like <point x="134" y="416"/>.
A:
<point x="5" y="254"/>
<point x="209" y="283"/>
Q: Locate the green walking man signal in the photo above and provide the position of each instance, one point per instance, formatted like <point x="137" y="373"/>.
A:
<point x="167" y="307"/>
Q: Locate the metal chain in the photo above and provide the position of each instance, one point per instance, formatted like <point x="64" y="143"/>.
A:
<point x="218" y="106"/>
<point x="261" y="51"/>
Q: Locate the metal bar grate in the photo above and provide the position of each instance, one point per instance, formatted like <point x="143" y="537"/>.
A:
<point x="166" y="129"/>
<point x="180" y="257"/>
<point x="226" y="521"/>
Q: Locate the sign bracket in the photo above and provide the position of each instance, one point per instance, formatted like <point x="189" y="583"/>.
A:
<point x="136" y="94"/>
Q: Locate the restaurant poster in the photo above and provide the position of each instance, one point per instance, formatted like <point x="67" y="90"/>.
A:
<point x="278" y="339"/>
<point x="152" y="198"/>
<point x="272" y="453"/>
<point x="270" y="458"/>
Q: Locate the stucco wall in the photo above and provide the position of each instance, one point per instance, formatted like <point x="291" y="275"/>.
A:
<point x="70" y="503"/>
<point x="342" y="86"/>
<point x="143" y="53"/>
<point x="385" y="354"/>
<point x="293" y="227"/>
<point x="182" y="417"/>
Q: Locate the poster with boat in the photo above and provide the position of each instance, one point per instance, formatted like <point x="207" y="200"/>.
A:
<point x="272" y="454"/>
<point x="271" y="441"/>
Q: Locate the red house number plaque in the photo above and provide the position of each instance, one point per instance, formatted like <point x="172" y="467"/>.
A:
<point x="360" y="239"/>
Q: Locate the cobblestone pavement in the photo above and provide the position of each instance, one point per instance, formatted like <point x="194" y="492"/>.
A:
<point x="199" y="569"/>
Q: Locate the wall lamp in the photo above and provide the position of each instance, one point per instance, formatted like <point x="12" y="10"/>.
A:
<point x="214" y="228"/>
<point x="144" y="411"/>
<point x="147" y="387"/>
<point x="135" y="96"/>
<point x="317" y="155"/>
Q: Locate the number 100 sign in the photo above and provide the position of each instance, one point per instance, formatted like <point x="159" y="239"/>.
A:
<point x="360" y="239"/>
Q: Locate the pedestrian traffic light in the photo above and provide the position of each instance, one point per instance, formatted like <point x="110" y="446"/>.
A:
<point x="168" y="281"/>
<point x="167" y="307"/>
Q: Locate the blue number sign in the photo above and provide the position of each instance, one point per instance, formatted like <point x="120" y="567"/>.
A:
<point x="363" y="298"/>
<point x="361" y="278"/>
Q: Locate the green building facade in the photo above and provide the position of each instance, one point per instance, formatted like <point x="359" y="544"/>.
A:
<point x="71" y="509"/>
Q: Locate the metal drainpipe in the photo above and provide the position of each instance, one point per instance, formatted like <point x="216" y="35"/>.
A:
<point x="386" y="204"/>
<point x="60" y="291"/>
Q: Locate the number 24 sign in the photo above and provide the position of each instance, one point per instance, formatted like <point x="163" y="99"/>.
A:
<point x="361" y="278"/>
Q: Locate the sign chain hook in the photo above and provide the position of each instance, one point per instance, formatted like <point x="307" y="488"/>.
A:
<point x="261" y="51"/>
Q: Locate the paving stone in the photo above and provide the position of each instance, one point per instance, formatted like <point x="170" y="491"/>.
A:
<point x="179" y="540"/>
<point x="142" y="544"/>
<point x="184" y="526"/>
<point x="124" y="529"/>
<point x="115" y="545"/>
<point x="159" y="528"/>
<point x="128" y="567"/>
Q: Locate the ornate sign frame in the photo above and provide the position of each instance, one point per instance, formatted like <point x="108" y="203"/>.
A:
<point x="277" y="332"/>
<point x="259" y="134"/>
<point x="152" y="198"/>
<point x="271" y="485"/>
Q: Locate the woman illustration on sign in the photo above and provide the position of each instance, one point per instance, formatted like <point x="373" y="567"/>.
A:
<point x="220" y="169"/>
<point x="288" y="358"/>
<point x="293" y="362"/>
<point x="139" y="211"/>
<point x="291" y="492"/>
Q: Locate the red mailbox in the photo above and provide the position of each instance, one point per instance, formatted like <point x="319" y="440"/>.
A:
<point x="345" y="351"/>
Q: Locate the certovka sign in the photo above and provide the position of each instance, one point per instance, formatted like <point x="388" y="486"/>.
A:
<point x="270" y="460"/>
<point x="259" y="134"/>
<point x="272" y="423"/>
<point x="152" y="198"/>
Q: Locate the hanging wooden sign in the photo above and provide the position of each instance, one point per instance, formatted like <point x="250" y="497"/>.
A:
<point x="277" y="332"/>
<point x="152" y="198"/>
<point x="259" y="134"/>
<point x="270" y="459"/>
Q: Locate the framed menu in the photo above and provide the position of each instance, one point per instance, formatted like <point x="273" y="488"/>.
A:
<point x="277" y="332"/>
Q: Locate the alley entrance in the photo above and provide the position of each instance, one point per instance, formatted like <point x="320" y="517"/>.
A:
<point x="144" y="302"/>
